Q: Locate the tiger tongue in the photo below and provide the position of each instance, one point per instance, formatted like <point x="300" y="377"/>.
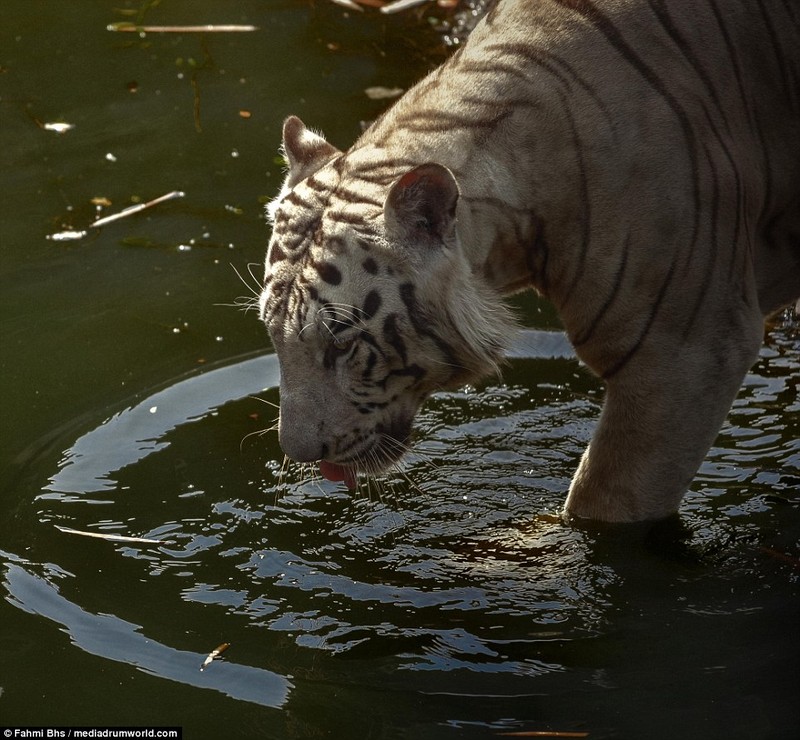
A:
<point x="333" y="472"/>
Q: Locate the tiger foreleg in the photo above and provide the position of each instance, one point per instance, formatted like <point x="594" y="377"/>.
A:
<point x="661" y="414"/>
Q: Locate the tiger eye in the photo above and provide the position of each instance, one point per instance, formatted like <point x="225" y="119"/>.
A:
<point x="343" y="344"/>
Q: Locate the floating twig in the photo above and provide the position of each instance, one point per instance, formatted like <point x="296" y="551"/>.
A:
<point x="215" y="653"/>
<point x="111" y="537"/>
<point x="59" y="127"/>
<point x="130" y="210"/>
<point x="542" y="733"/>
<point x="399" y="5"/>
<point x="68" y="235"/>
<point x="125" y="27"/>
<point x="349" y="4"/>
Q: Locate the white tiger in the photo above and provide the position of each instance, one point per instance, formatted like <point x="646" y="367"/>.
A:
<point x="636" y="162"/>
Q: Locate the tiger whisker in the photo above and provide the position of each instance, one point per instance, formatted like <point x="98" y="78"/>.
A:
<point x="306" y="326"/>
<point x="258" y="281"/>
<point x="284" y="471"/>
<point x="281" y="478"/>
<point x="418" y="450"/>
<point x="371" y="462"/>
<point x="264" y="401"/>
<point x="395" y="445"/>
<point x="253" y="301"/>
<point x="243" y="303"/>
<point x="344" y="307"/>
<point x="398" y="470"/>
<point x="258" y="433"/>
<point x="254" y="291"/>
<point x="329" y="330"/>
<point x="350" y="315"/>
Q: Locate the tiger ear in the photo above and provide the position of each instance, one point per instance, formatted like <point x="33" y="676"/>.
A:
<point x="421" y="205"/>
<point x="305" y="151"/>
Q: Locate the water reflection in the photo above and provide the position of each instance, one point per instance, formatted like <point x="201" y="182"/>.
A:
<point x="458" y="568"/>
<point x="430" y="568"/>
<point x="114" y="638"/>
<point x="136" y="432"/>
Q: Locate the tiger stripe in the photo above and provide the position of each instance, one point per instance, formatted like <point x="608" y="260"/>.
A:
<point x="637" y="162"/>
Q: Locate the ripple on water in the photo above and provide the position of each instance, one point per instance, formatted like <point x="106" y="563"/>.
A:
<point x="457" y="563"/>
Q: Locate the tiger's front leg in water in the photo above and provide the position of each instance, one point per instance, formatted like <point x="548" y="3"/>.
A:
<point x="661" y="413"/>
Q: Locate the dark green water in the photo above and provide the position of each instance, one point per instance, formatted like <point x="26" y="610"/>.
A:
<point x="449" y="604"/>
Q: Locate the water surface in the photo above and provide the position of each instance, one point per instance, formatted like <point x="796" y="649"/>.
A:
<point x="447" y="601"/>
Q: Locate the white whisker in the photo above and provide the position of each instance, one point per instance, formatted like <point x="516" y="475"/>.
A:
<point x="264" y="401"/>
<point x="306" y="326"/>
<point x="258" y="433"/>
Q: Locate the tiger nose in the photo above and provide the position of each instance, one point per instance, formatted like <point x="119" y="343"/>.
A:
<point x="300" y="449"/>
<point x="299" y="442"/>
<point x="301" y="431"/>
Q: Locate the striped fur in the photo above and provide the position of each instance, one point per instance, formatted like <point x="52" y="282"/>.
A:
<point x="637" y="163"/>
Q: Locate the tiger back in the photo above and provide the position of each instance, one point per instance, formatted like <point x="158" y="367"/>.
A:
<point x="636" y="163"/>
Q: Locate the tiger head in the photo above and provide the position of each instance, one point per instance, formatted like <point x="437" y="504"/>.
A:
<point x="370" y="302"/>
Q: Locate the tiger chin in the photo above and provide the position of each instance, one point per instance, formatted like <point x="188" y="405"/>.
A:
<point x="591" y="151"/>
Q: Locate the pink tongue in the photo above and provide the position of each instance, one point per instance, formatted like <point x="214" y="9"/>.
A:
<point x="333" y="472"/>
